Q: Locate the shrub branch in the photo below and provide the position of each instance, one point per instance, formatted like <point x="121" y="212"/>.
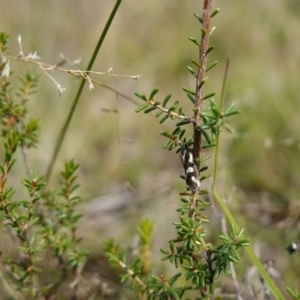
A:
<point x="201" y="78"/>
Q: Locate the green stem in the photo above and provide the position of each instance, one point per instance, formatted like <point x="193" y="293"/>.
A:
<point x="274" y="289"/>
<point x="76" y="100"/>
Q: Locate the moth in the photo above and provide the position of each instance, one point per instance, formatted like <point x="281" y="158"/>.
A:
<point x="192" y="178"/>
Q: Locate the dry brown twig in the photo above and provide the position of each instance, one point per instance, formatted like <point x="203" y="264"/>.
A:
<point x="33" y="58"/>
<point x="201" y="78"/>
<point x="78" y="73"/>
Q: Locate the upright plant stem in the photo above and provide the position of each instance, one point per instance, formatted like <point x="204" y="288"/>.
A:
<point x="200" y="78"/>
<point x="276" y="292"/>
<point x="218" y="129"/>
<point x="76" y="100"/>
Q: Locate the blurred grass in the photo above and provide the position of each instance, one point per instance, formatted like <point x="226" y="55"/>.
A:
<point x="122" y="152"/>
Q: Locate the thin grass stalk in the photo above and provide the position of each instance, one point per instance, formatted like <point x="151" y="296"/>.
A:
<point x="76" y="100"/>
<point x="276" y="292"/>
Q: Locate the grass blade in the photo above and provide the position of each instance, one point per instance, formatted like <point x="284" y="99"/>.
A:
<point x="76" y="100"/>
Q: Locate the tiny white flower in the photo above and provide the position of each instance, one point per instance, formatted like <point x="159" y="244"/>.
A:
<point x="136" y="77"/>
<point x="91" y="86"/>
<point x="212" y="30"/>
<point x="33" y="56"/>
<point x="6" y="70"/>
<point x="110" y="69"/>
<point x="77" y="61"/>
<point x="60" y="89"/>
<point x="21" y="53"/>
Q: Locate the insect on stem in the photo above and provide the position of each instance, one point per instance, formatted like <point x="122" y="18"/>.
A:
<point x="192" y="177"/>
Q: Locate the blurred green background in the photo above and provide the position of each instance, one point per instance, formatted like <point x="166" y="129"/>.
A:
<point x="124" y="173"/>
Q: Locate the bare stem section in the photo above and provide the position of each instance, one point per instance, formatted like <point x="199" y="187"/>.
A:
<point x="201" y="77"/>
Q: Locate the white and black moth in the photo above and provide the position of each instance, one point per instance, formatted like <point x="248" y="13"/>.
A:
<point x="191" y="172"/>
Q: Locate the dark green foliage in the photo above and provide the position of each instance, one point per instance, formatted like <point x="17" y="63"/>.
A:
<point x="3" y="40"/>
<point x="37" y="223"/>
<point x="13" y="109"/>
